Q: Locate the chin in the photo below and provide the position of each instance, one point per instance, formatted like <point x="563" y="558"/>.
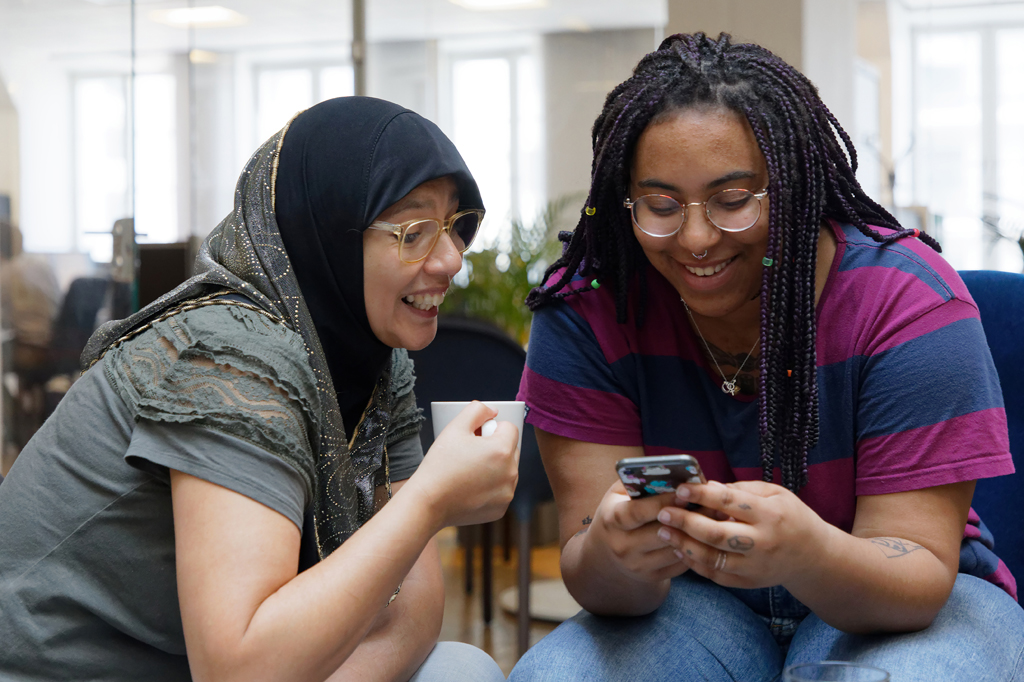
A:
<point x="417" y="341"/>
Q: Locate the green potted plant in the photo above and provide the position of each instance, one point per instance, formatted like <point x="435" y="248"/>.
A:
<point x="495" y="282"/>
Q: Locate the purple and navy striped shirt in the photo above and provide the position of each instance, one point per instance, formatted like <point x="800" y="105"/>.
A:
<point x="908" y="395"/>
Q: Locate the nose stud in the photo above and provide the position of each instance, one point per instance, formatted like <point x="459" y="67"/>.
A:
<point x="701" y="256"/>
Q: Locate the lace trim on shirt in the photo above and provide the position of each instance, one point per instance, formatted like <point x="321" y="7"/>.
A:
<point x="227" y="368"/>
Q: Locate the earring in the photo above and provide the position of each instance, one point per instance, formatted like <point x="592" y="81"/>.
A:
<point x="701" y="256"/>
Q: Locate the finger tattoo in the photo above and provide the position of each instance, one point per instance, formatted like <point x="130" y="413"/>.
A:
<point x="745" y="506"/>
<point x="586" y="522"/>
<point x="741" y="543"/>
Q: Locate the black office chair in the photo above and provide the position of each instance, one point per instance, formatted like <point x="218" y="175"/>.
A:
<point x="471" y="360"/>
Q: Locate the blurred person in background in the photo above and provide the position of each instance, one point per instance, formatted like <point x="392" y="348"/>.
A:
<point x="235" y="488"/>
<point x="731" y="292"/>
<point x="31" y="298"/>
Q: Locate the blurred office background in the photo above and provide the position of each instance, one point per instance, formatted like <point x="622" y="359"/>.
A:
<point x="124" y="124"/>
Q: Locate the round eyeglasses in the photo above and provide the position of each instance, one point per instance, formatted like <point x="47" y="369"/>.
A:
<point x="416" y="238"/>
<point x="731" y="210"/>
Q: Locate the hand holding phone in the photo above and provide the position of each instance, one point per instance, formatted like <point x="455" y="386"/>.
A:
<point x="645" y="476"/>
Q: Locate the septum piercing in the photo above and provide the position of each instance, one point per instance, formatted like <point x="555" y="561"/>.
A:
<point x="701" y="256"/>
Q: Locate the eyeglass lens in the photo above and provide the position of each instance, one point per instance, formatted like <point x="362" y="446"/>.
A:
<point x="732" y="210"/>
<point x="421" y="236"/>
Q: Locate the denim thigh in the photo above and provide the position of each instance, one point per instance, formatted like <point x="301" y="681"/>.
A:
<point x="978" y="636"/>
<point x="701" y="632"/>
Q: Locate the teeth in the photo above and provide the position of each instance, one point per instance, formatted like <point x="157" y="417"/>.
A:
<point x="704" y="272"/>
<point x="424" y="302"/>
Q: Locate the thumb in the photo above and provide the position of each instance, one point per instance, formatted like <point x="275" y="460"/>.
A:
<point x="474" y="415"/>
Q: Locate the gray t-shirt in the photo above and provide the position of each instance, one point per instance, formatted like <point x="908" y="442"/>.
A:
<point x="87" y="575"/>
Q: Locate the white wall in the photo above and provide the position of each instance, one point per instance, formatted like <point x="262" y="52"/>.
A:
<point x="579" y="71"/>
<point x="43" y="99"/>
<point x="819" y="37"/>
<point x="9" y="161"/>
<point x="404" y="73"/>
<point x="829" y="50"/>
<point x="776" y="25"/>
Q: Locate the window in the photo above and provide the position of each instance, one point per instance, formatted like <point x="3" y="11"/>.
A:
<point x="958" y="76"/>
<point x="281" y="92"/>
<point x="103" y="163"/>
<point x="948" y="138"/>
<point x="495" y="118"/>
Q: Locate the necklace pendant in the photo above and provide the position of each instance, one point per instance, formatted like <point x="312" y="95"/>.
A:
<point x="729" y="388"/>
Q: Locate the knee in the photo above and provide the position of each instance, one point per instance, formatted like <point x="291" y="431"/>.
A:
<point x="458" y="662"/>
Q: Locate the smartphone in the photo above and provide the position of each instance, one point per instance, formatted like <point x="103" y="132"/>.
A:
<point x="646" y="476"/>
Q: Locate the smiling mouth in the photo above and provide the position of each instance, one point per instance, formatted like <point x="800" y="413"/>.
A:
<point x="424" y="301"/>
<point x="705" y="272"/>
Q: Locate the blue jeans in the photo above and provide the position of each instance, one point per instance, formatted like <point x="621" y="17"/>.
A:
<point x="707" y="632"/>
<point x="458" y="662"/>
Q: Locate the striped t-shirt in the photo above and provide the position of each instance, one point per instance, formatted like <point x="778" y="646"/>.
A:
<point x="908" y="395"/>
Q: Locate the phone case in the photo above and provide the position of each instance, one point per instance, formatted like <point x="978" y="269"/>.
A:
<point x="647" y="476"/>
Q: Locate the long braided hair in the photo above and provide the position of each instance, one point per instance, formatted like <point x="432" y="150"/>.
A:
<point x="811" y="167"/>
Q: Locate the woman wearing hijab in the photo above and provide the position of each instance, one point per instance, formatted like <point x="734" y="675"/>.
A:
<point x="233" y="490"/>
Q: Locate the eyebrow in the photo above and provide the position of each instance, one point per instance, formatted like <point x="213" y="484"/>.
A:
<point x="654" y="183"/>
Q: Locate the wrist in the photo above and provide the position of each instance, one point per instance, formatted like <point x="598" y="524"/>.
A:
<point x="424" y="504"/>
<point x="825" y="545"/>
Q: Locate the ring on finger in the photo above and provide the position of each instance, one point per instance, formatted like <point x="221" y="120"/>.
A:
<point x="720" y="561"/>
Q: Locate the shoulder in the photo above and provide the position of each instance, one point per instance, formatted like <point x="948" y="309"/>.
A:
<point x="582" y="318"/>
<point x="223" y="342"/>
<point x="879" y="296"/>
<point x="905" y="265"/>
<point x="227" y="368"/>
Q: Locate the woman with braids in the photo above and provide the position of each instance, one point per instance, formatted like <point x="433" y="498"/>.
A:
<point x="235" y="489"/>
<point x="732" y="293"/>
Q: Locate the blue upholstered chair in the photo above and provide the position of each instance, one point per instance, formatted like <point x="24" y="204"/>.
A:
<point x="1000" y="298"/>
<point x="471" y="360"/>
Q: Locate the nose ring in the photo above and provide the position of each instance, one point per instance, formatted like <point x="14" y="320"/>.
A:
<point x="701" y="256"/>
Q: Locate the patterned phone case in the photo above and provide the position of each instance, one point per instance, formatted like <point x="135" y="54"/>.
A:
<point x="655" y="477"/>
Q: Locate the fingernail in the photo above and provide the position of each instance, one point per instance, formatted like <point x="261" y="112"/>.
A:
<point x="664" y="516"/>
<point x="664" y="534"/>
<point x="678" y="554"/>
<point x="682" y="493"/>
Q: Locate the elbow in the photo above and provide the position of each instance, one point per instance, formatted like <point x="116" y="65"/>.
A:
<point x="912" y="611"/>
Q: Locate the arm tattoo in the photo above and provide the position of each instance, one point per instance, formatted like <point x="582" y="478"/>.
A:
<point x="586" y="522"/>
<point x="741" y="542"/>
<point x="894" y="548"/>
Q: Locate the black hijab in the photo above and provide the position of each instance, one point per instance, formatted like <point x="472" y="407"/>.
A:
<point x="342" y="163"/>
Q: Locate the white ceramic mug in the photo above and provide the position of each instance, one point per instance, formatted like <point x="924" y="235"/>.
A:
<point x="508" y="411"/>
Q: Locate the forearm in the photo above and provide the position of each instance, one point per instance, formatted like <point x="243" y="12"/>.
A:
<point x="866" y="585"/>
<point x="599" y="587"/>
<point x="404" y="633"/>
<point x="309" y="627"/>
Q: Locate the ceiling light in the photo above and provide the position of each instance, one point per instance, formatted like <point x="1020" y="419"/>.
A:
<point x="487" y="5"/>
<point x="198" y="17"/>
<point x="202" y="57"/>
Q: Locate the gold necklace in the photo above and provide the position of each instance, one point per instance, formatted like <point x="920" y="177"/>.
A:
<point x="728" y="387"/>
